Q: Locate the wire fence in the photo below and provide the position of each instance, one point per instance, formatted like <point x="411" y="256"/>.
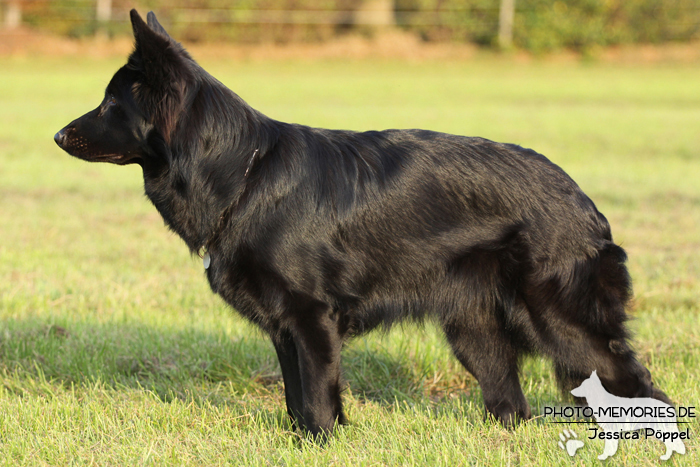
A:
<point x="84" y="10"/>
<point x="536" y="24"/>
<point x="291" y="17"/>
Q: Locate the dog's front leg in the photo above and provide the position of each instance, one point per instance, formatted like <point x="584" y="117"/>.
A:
<point x="317" y="343"/>
<point x="289" y="363"/>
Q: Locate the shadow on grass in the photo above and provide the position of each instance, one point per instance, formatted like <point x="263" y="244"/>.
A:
<point x="214" y="368"/>
<point x="195" y="365"/>
<point x="171" y="363"/>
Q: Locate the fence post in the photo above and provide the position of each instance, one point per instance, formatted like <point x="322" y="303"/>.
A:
<point x="376" y="13"/>
<point x="13" y="14"/>
<point x="505" y="24"/>
<point x="104" y="10"/>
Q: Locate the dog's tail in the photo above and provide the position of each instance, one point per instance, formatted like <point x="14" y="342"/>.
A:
<point x="579" y="312"/>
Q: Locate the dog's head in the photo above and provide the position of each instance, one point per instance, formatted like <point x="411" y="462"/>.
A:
<point x="142" y="103"/>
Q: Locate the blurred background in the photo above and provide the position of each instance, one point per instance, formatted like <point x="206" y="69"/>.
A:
<point x="533" y="25"/>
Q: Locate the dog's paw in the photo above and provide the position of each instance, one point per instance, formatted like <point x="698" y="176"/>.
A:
<point x="569" y="444"/>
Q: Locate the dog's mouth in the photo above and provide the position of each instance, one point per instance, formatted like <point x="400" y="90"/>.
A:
<point x="119" y="159"/>
<point x="80" y="147"/>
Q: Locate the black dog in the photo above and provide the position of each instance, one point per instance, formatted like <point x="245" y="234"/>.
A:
<point x="318" y="235"/>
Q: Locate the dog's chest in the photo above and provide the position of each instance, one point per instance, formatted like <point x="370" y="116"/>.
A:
<point x="243" y="286"/>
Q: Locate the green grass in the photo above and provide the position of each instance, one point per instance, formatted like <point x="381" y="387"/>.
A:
<point x="113" y="350"/>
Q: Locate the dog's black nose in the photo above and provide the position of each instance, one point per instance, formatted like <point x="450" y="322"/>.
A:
<point x="60" y="138"/>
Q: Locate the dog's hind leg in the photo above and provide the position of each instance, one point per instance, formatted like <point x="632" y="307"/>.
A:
<point x="489" y="356"/>
<point x="480" y="339"/>
<point x="481" y="325"/>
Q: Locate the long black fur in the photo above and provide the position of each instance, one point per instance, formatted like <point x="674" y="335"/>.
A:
<point x="318" y="235"/>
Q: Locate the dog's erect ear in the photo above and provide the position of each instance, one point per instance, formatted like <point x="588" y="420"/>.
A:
<point x="153" y="43"/>
<point x="155" y="25"/>
<point x="140" y="28"/>
<point x="166" y="69"/>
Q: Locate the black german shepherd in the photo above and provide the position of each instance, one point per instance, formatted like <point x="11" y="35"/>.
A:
<point x="319" y="235"/>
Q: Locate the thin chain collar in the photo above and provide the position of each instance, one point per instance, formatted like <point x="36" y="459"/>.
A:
<point x="203" y="251"/>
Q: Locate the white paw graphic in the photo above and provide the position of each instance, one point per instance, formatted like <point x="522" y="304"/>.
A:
<point x="568" y="444"/>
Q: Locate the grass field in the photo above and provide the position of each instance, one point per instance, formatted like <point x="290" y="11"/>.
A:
<point x="113" y="350"/>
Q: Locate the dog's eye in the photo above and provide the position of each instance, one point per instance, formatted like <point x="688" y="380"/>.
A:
<point x="112" y="100"/>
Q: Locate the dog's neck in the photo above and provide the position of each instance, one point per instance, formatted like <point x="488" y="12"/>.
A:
<point x="189" y="201"/>
<point x="192" y="186"/>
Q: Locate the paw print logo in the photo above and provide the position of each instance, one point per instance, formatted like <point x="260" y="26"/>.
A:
<point x="569" y="443"/>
